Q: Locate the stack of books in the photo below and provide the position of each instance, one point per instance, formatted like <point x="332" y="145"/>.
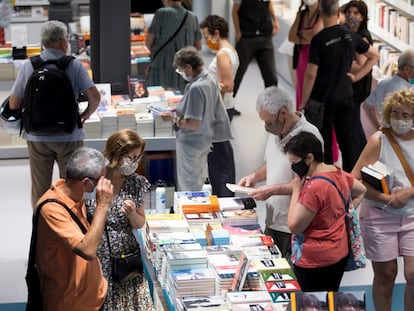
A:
<point x="145" y="124"/>
<point x="202" y="218"/>
<point x="224" y="266"/>
<point x="161" y="263"/>
<point x="276" y="277"/>
<point x="193" y="194"/>
<point x="239" y="217"/>
<point x="92" y="126"/>
<point x="202" y="303"/>
<point x="109" y="122"/>
<point x="195" y="203"/>
<point x="190" y="282"/>
<point x="219" y="237"/>
<point x="126" y="119"/>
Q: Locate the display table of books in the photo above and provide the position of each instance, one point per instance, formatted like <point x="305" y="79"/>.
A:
<point x="197" y="261"/>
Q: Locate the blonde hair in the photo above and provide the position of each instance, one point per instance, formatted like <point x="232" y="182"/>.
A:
<point x="121" y="143"/>
<point x="402" y="98"/>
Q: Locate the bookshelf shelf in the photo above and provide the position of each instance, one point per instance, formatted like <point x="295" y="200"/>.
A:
<point x="402" y="6"/>
<point x="386" y="37"/>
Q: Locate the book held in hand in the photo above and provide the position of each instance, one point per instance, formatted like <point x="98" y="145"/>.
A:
<point x="377" y="175"/>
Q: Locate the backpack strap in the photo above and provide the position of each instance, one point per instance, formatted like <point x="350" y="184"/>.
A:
<point x="62" y="62"/>
<point x="36" y="61"/>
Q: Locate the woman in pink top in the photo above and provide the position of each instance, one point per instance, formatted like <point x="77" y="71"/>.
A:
<point x="307" y="24"/>
<point x="316" y="215"/>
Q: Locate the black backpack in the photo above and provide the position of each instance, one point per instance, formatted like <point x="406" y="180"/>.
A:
<point x="49" y="104"/>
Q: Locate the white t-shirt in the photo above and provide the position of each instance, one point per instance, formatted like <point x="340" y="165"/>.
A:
<point x="278" y="171"/>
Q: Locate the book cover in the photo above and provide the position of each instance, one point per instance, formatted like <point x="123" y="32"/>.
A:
<point x="282" y="286"/>
<point x="256" y="306"/>
<point x="377" y="175"/>
<point x="233" y="298"/>
<point x="198" y="204"/>
<point x="213" y="303"/>
<point x="274" y="264"/>
<point x="137" y="87"/>
<point x="241" y="273"/>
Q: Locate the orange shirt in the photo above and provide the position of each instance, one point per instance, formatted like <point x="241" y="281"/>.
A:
<point x="68" y="281"/>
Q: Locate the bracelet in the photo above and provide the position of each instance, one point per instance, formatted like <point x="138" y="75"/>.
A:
<point x="177" y="121"/>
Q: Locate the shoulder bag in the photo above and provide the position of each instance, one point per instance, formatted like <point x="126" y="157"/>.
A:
<point x="356" y="257"/>
<point x="170" y="38"/>
<point x="125" y="266"/>
<point x="399" y="154"/>
<point x="34" y="294"/>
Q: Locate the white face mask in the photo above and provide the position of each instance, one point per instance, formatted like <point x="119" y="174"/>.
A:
<point x="310" y="2"/>
<point x="185" y="77"/>
<point x="401" y="126"/>
<point x="128" y="167"/>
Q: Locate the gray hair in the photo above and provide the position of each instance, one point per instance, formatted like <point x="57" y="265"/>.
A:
<point x="52" y="32"/>
<point x="274" y="98"/>
<point x="329" y="7"/>
<point x="85" y="162"/>
<point x="406" y="59"/>
<point x="188" y="56"/>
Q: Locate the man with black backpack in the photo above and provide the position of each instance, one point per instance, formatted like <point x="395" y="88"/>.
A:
<point x="46" y="90"/>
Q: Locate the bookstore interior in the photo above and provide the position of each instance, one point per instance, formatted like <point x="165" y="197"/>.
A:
<point x="211" y="253"/>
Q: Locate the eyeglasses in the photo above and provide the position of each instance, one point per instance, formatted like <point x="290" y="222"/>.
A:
<point x="93" y="181"/>
<point x="134" y="159"/>
<point x="401" y="115"/>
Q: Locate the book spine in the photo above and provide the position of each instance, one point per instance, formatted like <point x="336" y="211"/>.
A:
<point x="384" y="185"/>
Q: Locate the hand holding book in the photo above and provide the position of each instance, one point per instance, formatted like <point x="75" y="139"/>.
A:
<point x="377" y="175"/>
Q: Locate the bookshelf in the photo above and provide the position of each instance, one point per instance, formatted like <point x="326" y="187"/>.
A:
<point x="392" y="21"/>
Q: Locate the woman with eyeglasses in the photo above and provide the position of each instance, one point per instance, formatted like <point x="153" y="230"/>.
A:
<point x="123" y="151"/>
<point x="200" y="120"/>
<point x="387" y="220"/>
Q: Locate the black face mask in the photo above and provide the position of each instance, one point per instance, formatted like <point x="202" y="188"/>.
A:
<point x="300" y="168"/>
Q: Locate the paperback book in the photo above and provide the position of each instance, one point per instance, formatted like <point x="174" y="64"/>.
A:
<point x="377" y="175"/>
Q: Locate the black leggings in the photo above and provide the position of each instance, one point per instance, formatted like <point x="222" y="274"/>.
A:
<point x="326" y="278"/>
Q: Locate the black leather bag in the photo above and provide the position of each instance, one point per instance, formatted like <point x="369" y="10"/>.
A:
<point x="125" y="267"/>
<point x="314" y="112"/>
<point x="34" y="294"/>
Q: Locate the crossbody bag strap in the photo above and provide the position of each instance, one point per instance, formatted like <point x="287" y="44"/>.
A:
<point x="107" y="239"/>
<point x="399" y="153"/>
<point x="170" y="38"/>
<point x="333" y="183"/>
<point x="35" y="222"/>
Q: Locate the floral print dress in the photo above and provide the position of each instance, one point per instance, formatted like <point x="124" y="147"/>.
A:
<point x="133" y="294"/>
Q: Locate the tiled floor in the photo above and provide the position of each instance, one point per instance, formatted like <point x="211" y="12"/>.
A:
<point x="15" y="223"/>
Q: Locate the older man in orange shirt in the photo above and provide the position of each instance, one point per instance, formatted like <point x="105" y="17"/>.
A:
<point x="70" y="274"/>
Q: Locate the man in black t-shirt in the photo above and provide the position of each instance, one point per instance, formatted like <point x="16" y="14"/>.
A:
<point x="328" y="79"/>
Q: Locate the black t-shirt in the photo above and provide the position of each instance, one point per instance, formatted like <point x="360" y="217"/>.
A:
<point x="362" y="88"/>
<point x="333" y="50"/>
